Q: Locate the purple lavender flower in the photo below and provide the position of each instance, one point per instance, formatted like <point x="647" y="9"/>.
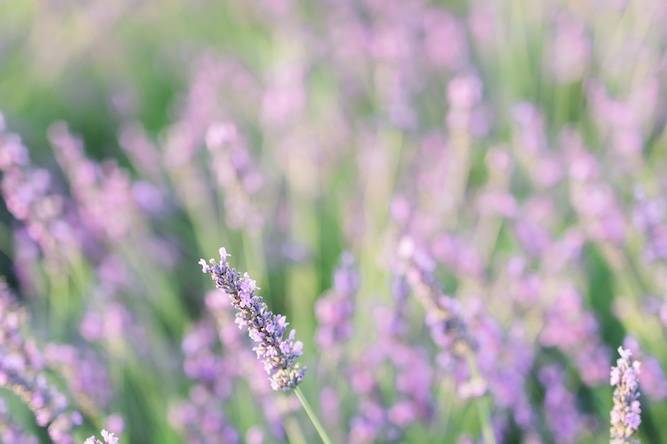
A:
<point x="652" y="377"/>
<point x="626" y="413"/>
<point x="242" y="364"/>
<point x="560" y="406"/>
<point x="569" y="52"/>
<point x="569" y="326"/>
<point x="505" y="359"/>
<point x="22" y="372"/>
<point x="136" y="143"/>
<point x="444" y="317"/>
<point x="28" y="194"/>
<point x="649" y="217"/>
<point x="99" y="189"/>
<point x="107" y="438"/>
<point x="239" y="179"/>
<point x="216" y="359"/>
<point x="278" y="353"/>
<point x="335" y="310"/>
<point x="86" y="375"/>
<point x="201" y="419"/>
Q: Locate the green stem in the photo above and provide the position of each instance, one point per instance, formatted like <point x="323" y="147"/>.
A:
<point x="313" y="417"/>
<point x="485" y="418"/>
<point x="482" y="404"/>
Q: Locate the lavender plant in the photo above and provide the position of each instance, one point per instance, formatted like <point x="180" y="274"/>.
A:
<point x="267" y="330"/>
<point x="626" y="413"/>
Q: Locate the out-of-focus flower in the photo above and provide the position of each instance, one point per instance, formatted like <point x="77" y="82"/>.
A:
<point x="100" y="190"/>
<point x="378" y="418"/>
<point x="444" y="39"/>
<point x="239" y="179"/>
<point x="28" y="194"/>
<point x="139" y="148"/>
<point x="652" y="377"/>
<point x="115" y="423"/>
<point x="569" y="326"/>
<point x="335" y="310"/>
<point x="505" y="361"/>
<point x="650" y="218"/>
<point x="267" y="330"/>
<point x="626" y="412"/>
<point x="201" y="420"/>
<point x="444" y="317"/>
<point x="254" y="435"/>
<point x="86" y="376"/>
<point x="22" y="371"/>
<point x="565" y="420"/>
<point x="569" y="50"/>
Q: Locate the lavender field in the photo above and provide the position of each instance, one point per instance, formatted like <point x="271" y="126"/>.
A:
<point x="333" y="221"/>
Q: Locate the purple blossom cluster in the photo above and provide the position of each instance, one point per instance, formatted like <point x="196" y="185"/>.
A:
<point x="335" y="312"/>
<point x="200" y="419"/>
<point x="86" y="376"/>
<point x="564" y="417"/>
<point x="23" y="372"/>
<point x="443" y="315"/>
<point x="267" y="330"/>
<point x="98" y="189"/>
<point x="236" y="174"/>
<point x="28" y="194"/>
<point x="569" y="326"/>
<point x="377" y="418"/>
<point x="335" y="309"/>
<point x="626" y="413"/>
<point x="245" y="366"/>
<point x="649" y="217"/>
<point x="217" y="359"/>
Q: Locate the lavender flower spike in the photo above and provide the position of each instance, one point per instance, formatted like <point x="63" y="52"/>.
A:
<point x="267" y="330"/>
<point x="625" y="415"/>
<point x="107" y="438"/>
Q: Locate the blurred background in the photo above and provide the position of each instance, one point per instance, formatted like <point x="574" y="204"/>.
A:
<point x="504" y="156"/>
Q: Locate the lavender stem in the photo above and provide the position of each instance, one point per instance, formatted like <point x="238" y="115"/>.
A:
<point x="313" y="417"/>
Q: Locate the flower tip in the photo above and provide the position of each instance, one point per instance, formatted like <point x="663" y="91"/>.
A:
<point x="204" y="265"/>
<point x="223" y="255"/>
<point x="109" y="438"/>
<point x="625" y="353"/>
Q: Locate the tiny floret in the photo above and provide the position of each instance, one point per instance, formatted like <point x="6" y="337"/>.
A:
<point x="107" y="438"/>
